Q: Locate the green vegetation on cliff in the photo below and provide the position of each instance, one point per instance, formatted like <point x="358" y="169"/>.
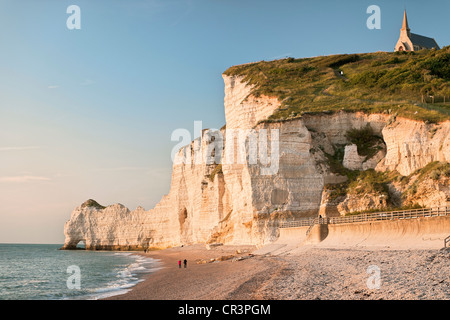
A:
<point x="363" y="182"/>
<point x="415" y="85"/>
<point x="374" y="182"/>
<point x="366" y="140"/>
<point x="434" y="171"/>
<point x="92" y="204"/>
<point x="217" y="170"/>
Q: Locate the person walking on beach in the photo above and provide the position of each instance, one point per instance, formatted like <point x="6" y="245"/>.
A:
<point x="179" y="264"/>
<point x="185" y="263"/>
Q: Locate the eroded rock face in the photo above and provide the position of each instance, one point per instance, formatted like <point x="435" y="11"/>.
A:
<point x="359" y="203"/>
<point x="352" y="160"/>
<point x="411" y="145"/>
<point x="242" y="109"/>
<point x="243" y="202"/>
<point x="424" y="192"/>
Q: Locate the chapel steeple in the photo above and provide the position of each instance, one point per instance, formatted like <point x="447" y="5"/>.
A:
<point x="405" y="26"/>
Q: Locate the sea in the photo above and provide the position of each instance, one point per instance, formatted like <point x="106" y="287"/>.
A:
<point x="43" y="272"/>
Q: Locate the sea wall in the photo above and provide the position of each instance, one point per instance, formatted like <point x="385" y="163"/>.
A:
<point x="402" y="234"/>
<point x="419" y="233"/>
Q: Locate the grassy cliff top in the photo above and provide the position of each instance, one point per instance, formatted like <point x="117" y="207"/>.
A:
<point x="391" y="82"/>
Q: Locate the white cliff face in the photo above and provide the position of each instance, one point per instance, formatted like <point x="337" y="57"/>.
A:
<point x="411" y="145"/>
<point x="335" y="126"/>
<point x="114" y="227"/>
<point x="244" y="201"/>
<point x="193" y="207"/>
<point x="265" y="193"/>
<point x="242" y="109"/>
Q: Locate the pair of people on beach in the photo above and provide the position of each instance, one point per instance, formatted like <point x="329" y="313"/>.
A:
<point x="184" y="262"/>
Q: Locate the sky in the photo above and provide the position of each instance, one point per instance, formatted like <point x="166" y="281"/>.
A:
<point x="88" y="113"/>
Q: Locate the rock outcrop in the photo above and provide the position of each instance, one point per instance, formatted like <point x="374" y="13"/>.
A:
<point x="240" y="194"/>
<point x="353" y="161"/>
<point x="411" y="145"/>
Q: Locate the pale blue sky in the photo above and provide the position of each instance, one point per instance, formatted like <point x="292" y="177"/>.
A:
<point x="89" y="113"/>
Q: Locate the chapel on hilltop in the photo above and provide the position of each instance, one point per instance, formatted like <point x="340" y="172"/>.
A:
<point x="409" y="41"/>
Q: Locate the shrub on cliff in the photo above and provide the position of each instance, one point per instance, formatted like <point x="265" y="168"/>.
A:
<point x="366" y="140"/>
<point x="370" y="181"/>
<point x="217" y="170"/>
<point x="92" y="203"/>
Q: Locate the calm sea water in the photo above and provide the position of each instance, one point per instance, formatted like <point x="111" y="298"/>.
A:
<point x="40" y="272"/>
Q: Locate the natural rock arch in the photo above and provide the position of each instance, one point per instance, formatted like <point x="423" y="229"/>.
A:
<point x="74" y="244"/>
<point x="81" y="244"/>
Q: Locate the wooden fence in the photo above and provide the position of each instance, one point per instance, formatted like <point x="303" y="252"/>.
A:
<point x="379" y="216"/>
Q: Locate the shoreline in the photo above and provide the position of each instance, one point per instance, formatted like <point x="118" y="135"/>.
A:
<point x="136" y="272"/>
<point x="202" y="279"/>
<point x="306" y="273"/>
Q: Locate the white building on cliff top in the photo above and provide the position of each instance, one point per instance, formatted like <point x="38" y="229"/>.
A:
<point x="412" y="42"/>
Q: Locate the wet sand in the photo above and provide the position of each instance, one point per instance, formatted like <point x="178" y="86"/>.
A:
<point x="306" y="273"/>
<point x="201" y="279"/>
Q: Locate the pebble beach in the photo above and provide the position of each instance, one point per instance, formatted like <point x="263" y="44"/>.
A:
<point x="307" y="273"/>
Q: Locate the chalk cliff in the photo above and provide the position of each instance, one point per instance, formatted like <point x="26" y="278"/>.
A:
<point x="239" y="195"/>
